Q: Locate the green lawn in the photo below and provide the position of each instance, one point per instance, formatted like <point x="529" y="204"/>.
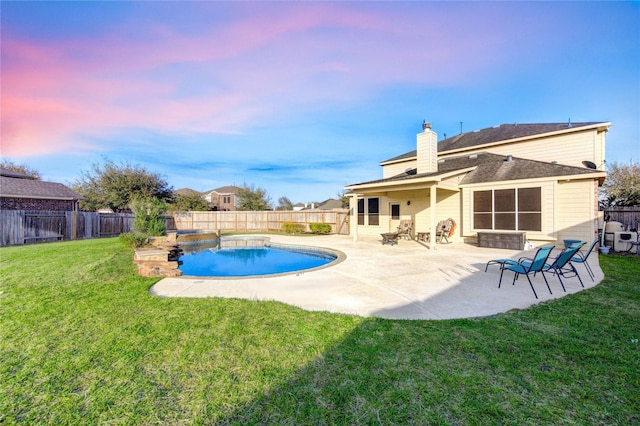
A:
<point x="83" y="342"/>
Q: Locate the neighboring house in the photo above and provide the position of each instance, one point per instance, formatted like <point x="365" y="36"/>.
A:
<point x="539" y="178"/>
<point x="330" y="204"/>
<point x="299" y="206"/>
<point x="186" y="192"/>
<point x="22" y="192"/>
<point x="223" y="198"/>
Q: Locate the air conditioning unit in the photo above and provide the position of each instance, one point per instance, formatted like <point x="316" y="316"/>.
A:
<point x="622" y="240"/>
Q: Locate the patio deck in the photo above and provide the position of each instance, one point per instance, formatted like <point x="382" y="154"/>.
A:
<point x="404" y="281"/>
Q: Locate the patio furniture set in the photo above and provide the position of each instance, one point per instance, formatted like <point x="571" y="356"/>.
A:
<point x="561" y="266"/>
<point x="444" y="230"/>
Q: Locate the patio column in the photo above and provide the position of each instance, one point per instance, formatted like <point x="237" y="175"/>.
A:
<point x="432" y="217"/>
<point x="353" y="221"/>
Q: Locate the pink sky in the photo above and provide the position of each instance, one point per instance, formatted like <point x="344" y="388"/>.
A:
<point x="55" y="92"/>
<point x="283" y="83"/>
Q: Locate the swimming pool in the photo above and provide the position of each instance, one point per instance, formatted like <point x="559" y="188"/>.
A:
<point x="252" y="257"/>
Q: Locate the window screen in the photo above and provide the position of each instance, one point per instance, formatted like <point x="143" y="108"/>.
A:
<point x="508" y="209"/>
<point x="395" y="211"/>
<point x="361" y="211"/>
<point x="374" y="211"/>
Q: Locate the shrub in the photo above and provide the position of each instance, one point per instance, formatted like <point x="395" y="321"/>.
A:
<point x="320" y="228"/>
<point x="149" y="216"/>
<point x="134" y="239"/>
<point x="292" y="228"/>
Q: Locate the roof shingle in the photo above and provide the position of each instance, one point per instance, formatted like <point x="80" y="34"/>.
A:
<point x="491" y="168"/>
<point x="27" y="188"/>
<point x="504" y="132"/>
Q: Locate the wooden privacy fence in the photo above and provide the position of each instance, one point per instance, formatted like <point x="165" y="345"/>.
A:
<point x="24" y="227"/>
<point x="262" y="221"/>
<point x="628" y="216"/>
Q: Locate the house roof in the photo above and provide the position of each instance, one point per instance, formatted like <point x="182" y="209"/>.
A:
<point x="502" y="134"/>
<point x="186" y="191"/>
<point x="14" y="187"/>
<point x="329" y="204"/>
<point x="9" y="173"/>
<point x="230" y="189"/>
<point x="485" y="167"/>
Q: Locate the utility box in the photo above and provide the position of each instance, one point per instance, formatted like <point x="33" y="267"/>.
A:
<point x="622" y="240"/>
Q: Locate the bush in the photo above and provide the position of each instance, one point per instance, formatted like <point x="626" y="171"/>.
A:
<point x="320" y="228"/>
<point x="134" y="239"/>
<point x="149" y="216"/>
<point x="292" y="228"/>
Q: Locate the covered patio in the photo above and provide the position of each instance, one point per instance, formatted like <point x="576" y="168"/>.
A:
<point x="404" y="281"/>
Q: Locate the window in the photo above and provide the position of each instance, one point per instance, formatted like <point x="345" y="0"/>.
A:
<point x="374" y="211"/>
<point x="361" y="211"/>
<point x="508" y="209"/>
<point x="395" y="211"/>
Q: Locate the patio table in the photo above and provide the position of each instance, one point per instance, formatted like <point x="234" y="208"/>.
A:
<point x="390" y="238"/>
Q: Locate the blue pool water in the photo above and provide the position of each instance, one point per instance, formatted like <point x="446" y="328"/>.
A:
<point x="243" y="262"/>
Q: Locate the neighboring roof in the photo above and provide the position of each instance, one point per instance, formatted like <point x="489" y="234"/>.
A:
<point x="12" y="187"/>
<point x="329" y="204"/>
<point x="224" y="190"/>
<point x="9" y="173"/>
<point x="186" y="191"/>
<point x="486" y="167"/>
<point x="502" y="134"/>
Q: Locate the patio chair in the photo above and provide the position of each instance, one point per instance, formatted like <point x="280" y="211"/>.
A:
<point x="405" y="228"/>
<point x="583" y="257"/>
<point x="501" y="262"/>
<point x="445" y="229"/>
<point x="561" y="264"/>
<point x="533" y="266"/>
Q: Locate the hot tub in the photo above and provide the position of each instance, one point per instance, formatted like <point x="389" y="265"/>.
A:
<point x="192" y="236"/>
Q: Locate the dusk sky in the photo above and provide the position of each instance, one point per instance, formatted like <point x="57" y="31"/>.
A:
<point x="301" y="98"/>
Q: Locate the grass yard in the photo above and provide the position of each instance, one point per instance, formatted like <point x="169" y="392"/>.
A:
<point x="83" y="342"/>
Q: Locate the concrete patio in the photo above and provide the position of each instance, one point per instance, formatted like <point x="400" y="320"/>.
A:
<point x="405" y="281"/>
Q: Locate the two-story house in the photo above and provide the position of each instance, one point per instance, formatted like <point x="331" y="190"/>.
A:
<point x="223" y="198"/>
<point x="538" y="178"/>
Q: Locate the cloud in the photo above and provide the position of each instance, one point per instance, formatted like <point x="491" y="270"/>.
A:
<point x="60" y="93"/>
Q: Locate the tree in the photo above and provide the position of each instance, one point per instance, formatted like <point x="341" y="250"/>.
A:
<point x="622" y="186"/>
<point x="114" y="186"/>
<point x="251" y="198"/>
<point x="342" y="196"/>
<point x="284" y="203"/>
<point x="190" y="202"/>
<point x="22" y="169"/>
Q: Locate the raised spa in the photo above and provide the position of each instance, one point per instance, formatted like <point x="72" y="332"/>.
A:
<point x="248" y="257"/>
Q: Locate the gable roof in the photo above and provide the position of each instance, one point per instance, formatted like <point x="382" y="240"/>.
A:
<point x="13" y="187"/>
<point x="502" y="134"/>
<point x="9" y="173"/>
<point x="329" y="204"/>
<point x="186" y="191"/>
<point x="230" y="189"/>
<point x="485" y="167"/>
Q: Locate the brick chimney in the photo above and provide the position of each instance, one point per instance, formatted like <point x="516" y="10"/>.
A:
<point x="427" y="142"/>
